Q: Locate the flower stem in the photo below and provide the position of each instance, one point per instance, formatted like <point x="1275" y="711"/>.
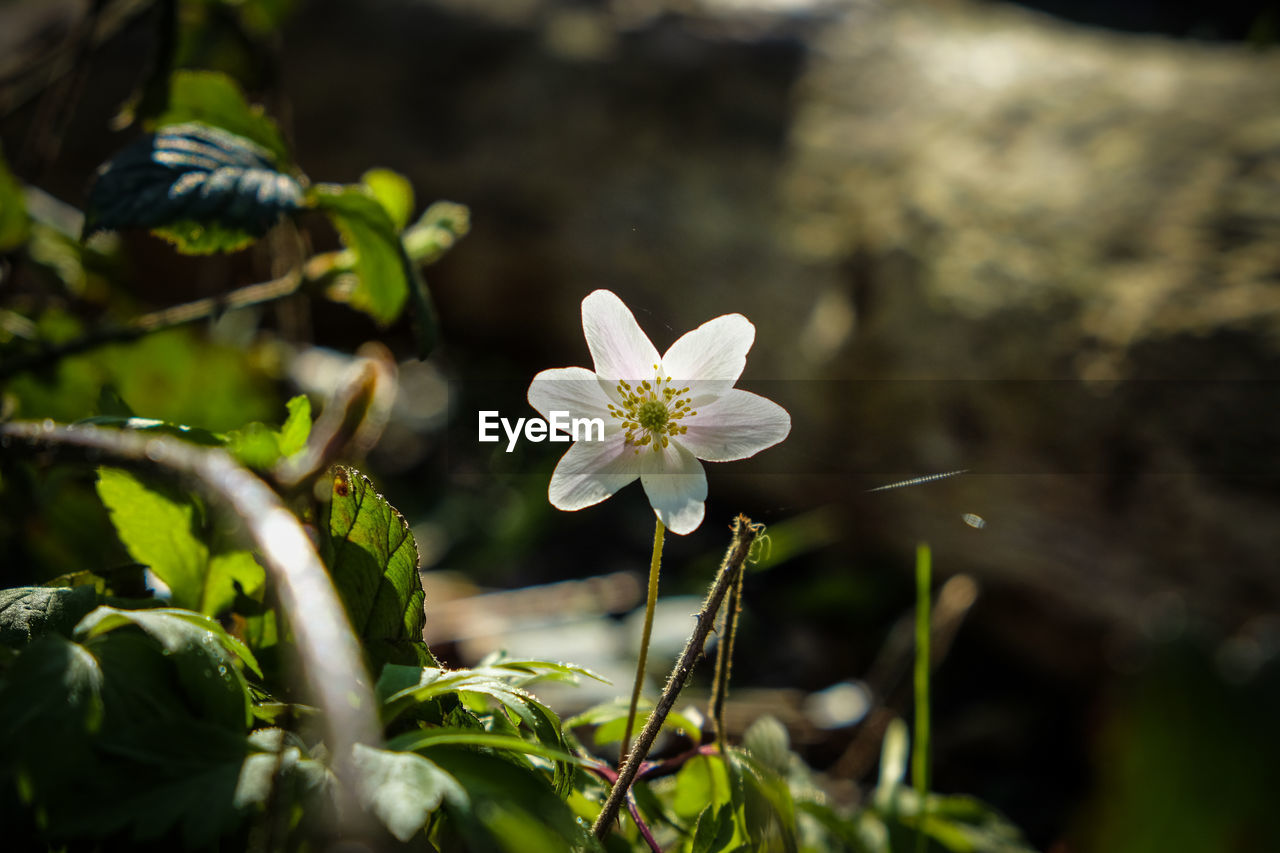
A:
<point x="724" y="660"/>
<point x="655" y="565"/>
<point x="744" y="533"/>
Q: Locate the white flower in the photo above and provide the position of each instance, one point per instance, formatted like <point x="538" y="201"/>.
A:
<point x="661" y="414"/>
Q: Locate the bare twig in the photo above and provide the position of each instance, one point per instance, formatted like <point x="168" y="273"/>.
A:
<point x="177" y="315"/>
<point x="744" y="533"/>
<point x="329" y="651"/>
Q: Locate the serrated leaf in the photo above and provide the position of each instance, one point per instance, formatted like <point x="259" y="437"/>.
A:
<point x="214" y="99"/>
<point x="382" y="269"/>
<point x="394" y="192"/>
<point x="28" y="612"/>
<point x="203" y="652"/>
<point x="374" y="562"/>
<point x="403" y="789"/>
<point x="224" y="184"/>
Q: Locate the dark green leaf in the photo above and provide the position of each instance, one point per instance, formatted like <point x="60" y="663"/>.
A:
<point x="212" y="188"/>
<point x="403" y="789"/>
<point x="54" y="687"/>
<point x="214" y="99"/>
<point x="203" y="652"/>
<point x="51" y="703"/>
<point x="510" y="808"/>
<point x="714" y="830"/>
<point x="382" y="270"/>
<point x="374" y="562"/>
<point x="28" y="612"/>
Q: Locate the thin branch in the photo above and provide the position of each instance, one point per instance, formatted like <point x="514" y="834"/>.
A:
<point x="177" y="315"/>
<point x="744" y="533"/>
<point x="330" y="654"/>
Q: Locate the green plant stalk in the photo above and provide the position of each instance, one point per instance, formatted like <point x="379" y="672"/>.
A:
<point x="724" y="659"/>
<point x="920" y="753"/>
<point x="744" y="533"/>
<point x="655" y="565"/>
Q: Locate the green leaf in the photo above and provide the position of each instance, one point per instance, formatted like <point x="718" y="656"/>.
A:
<point x="203" y="652"/>
<point x="540" y="670"/>
<point x="195" y="435"/>
<point x="260" y="446"/>
<point x="167" y="533"/>
<point x="509" y="807"/>
<point x="445" y="735"/>
<point x="14" y="223"/>
<point x="767" y="741"/>
<point x="159" y="530"/>
<point x="204" y="187"/>
<point x="400" y="694"/>
<point x="28" y="612"/>
<point x="54" y="688"/>
<point x="610" y="720"/>
<point x="769" y="807"/>
<point x="213" y="98"/>
<point x="394" y="192"/>
<point x="51" y="703"/>
<point x="714" y="830"/>
<point x="374" y="562"/>
<point x="403" y="789"/>
<point x="296" y="429"/>
<point x="382" y="270"/>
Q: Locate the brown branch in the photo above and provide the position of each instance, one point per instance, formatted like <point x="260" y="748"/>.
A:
<point x="329" y="651"/>
<point x="744" y="533"/>
<point x="177" y="315"/>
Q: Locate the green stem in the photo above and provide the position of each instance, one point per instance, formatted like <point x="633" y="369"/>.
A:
<point x="724" y="659"/>
<point x="655" y="564"/>
<point x="920" y="752"/>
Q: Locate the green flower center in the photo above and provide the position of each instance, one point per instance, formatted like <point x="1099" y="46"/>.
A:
<point x="650" y="411"/>
<point x="652" y="415"/>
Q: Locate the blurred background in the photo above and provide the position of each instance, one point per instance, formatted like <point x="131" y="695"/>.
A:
<point x="1038" y="243"/>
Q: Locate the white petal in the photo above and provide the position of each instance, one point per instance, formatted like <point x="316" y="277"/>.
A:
<point x="569" y="389"/>
<point x="716" y="350"/>
<point x="619" y="349"/>
<point x="591" y="471"/>
<point x="736" y="425"/>
<point x="676" y="487"/>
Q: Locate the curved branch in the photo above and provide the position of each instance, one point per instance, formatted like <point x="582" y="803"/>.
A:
<point x="330" y="652"/>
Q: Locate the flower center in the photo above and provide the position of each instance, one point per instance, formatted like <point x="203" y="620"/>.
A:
<point x="650" y="411"/>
